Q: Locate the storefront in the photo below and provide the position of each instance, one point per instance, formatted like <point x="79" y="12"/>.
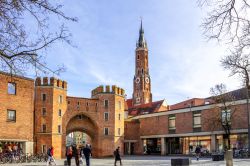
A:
<point x="16" y="145"/>
<point x="189" y="144"/>
<point x="7" y="146"/>
<point x="237" y="141"/>
<point x="152" y="146"/>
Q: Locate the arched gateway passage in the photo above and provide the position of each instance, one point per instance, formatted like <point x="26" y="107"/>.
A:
<point x="84" y="124"/>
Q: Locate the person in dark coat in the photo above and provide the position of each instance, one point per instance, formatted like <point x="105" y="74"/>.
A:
<point x="117" y="156"/>
<point x="198" y="152"/>
<point x="69" y="154"/>
<point x="76" y="155"/>
<point x="87" y="153"/>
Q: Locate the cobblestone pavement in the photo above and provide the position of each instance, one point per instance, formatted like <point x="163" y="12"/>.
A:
<point x="149" y="161"/>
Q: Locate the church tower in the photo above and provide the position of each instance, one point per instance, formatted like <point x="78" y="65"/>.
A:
<point x="142" y="83"/>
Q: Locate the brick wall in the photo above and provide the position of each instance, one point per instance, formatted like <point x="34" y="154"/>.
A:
<point x="22" y="102"/>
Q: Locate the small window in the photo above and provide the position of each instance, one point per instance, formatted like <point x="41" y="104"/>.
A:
<point x="11" y="115"/>
<point x="106" y="116"/>
<point x="68" y="102"/>
<point x="78" y="103"/>
<point x="226" y="117"/>
<point x="142" y="71"/>
<point x="60" y="112"/>
<point x="119" y="131"/>
<point x="196" y="119"/>
<point x="87" y="106"/>
<point x="11" y="88"/>
<point x="119" y="104"/>
<point x="119" y="116"/>
<point x="138" y="57"/>
<point x="106" y="103"/>
<point x="106" y="131"/>
<point x="43" y="97"/>
<point x="43" y="111"/>
<point x="44" y="128"/>
<point x="60" y="99"/>
<point x="96" y="107"/>
<point x="171" y="122"/>
<point x="44" y="149"/>
<point x="59" y="128"/>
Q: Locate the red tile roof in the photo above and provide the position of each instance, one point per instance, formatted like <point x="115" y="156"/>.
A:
<point x="145" y="108"/>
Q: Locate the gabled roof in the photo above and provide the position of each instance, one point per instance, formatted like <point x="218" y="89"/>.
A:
<point x="147" y="108"/>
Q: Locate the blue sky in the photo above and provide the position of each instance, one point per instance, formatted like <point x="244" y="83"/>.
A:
<point x="182" y="63"/>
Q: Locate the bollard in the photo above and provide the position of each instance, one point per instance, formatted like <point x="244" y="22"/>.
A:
<point x="229" y="158"/>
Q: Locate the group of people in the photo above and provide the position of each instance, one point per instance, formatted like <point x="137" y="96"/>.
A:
<point x="10" y="148"/>
<point x="78" y="154"/>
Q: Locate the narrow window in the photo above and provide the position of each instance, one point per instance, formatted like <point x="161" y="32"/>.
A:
<point x="60" y="99"/>
<point x="60" y="112"/>
<point x="78" y="103"/>
<point x="106" y="116"/>
<point x="43" y="97"/>
<point x="87" y="106"/>
<point x="138" y="57"/>
<point x="106" y="103"/>
<point x="59" y="129"/>
<point x="44" y="128"/>
<point x="142" y="71"/>
<point x="11" y="88"/>
<point x="106" y="131"/>
<point x="171" y="122"/>
<point x="196" y="119"/>
<point x="96" y="107"/>
<point x="119" y="131"/>
<point x="119" y="104"/>
<point x="68" y="102"/>
<point x="44" y="149"/>
<point x="11" y="115"/>
<point x="44" y="111"/>
<point x="119" y="116"/>
<point x="226" y="117"/>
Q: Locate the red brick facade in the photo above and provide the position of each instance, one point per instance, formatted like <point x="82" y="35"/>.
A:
<point x="20" y="129"/>
<point x="137" y="128"/>
<point x="79" y="114"/>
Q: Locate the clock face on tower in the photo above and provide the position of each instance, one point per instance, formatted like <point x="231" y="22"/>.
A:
<point x="147" y="80"/>
<point x="137" y="80"/>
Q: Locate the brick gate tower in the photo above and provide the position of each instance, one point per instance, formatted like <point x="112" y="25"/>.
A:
<point x="142" y="83"/>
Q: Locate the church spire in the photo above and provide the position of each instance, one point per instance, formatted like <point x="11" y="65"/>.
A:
<point x="141" y="42"/>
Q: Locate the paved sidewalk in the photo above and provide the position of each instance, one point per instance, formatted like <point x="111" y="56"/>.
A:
<point x="148" y="161"/>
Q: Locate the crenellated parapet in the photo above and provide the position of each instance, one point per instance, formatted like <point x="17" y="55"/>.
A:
<point x="108" y="89"/>
<point x="51" y="81"/>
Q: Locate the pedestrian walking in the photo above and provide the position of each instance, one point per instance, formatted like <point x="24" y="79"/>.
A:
<point x="117" y="156"/>
<point x="197" y="152"/>
<point x="87" y="154"/>
<point x="69" y="154"/>
<point x="50" y="153"/>
<point x="76" y="155"/>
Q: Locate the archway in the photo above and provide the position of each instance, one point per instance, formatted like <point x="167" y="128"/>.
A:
<point x="82" y="126"/>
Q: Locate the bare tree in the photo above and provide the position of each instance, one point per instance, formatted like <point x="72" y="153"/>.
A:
<point x="229" y="21"/>
<point x="226" y="19"/>
<point x="20" y="50"/>
<point x="223" y="112"/>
